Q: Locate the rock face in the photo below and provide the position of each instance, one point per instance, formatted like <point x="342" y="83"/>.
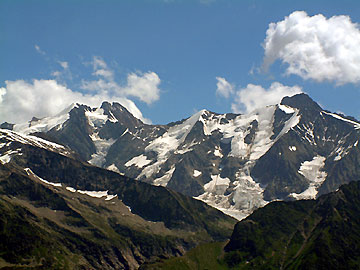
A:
<point x="307" y="234"/>
<point x="57" y="212"/>
<point x="236" y="163"/>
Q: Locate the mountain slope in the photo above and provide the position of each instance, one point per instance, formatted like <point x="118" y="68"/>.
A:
<point x="236" y="163"/>
<point x="60" y="213"/>
<point x="305" y="234"/>
<point x="321" y="234"/>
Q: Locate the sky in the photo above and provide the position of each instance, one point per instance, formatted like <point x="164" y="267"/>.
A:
<point x="167" y="59"/>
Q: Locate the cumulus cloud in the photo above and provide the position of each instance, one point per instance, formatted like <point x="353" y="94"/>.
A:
<point x="245" y="100"/>
<point x="223" y="87"/>
<point x="21" y="100"/>
<point x="255" y="96"/>
<point x="2" y="93"/>
<point x="315" y="47"/>
<point x="144" y="86"/>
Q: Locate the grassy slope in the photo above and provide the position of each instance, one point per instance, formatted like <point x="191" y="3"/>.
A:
<point x="205" y="256"/>
<point x="56" y="229"/>
<point x="321" y="234"/>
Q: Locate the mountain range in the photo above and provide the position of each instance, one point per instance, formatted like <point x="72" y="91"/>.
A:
<point x="96" y="188"/>
<point x="233" y="162"/>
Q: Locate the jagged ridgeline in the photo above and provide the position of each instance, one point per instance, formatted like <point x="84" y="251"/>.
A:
<point x="57" y="212"/>
<point x="236" y="163"/>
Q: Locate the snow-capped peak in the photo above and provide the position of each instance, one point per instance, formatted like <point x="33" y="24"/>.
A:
<point x="96" y="117"/>
<point x="176" y="135"/>
<point x="45" y="124"/>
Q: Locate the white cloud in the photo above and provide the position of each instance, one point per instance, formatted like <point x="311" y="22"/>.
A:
<point x="255" y="96"/>
<point x="2" y="93"/>
<point x="56" y="74"/>
<point x="65" y="73"/>
<point x="101" y="69"/>
<point x="223" y="87"/>
<point x="64" y="64"/>
<point x="98" y="62"/>
<point x="144" y="86"/>
<point x="104" y="73"/>
<point x="315" y="47"/>
<point x="21" y="100"/>
<point x="38" y="49"/>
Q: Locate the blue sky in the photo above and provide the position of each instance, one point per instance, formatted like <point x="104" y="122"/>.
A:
<point x="167" y="57"/>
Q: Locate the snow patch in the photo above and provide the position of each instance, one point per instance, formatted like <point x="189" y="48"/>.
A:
<point x="311" y="170"/>
<point x="234" y="132"/>
<point x="96" y="117"/>
<point x="110" y="197"/>
<point x="286" y="109"/>
<point x="112" y="118"/>
<point x="217" y="152"/>
<point x="94" y="194"/>
<point x="30" y="173"/>
<point x="197" y="173"/>
<point x="339" y="152"/>
<point x="97" y="194"/>
<point x="102" y="146"/>
<point x="342" y="151"/>
<point x="139" y="161"/>
<point x="163" y="181"/>
<point x="171" y="140"/>
<point x="356" y="124"/>
<point x="289" y="124"/>
<point x="217" y="185"/>
<point x="309" y="133"/>
<point x="166" y="144"/>
<point x="45" y="124"/>
<point x="244" y="197"/>
<point x="34" y="141"/>
<point x="126" y="131"/>
<point x="6" y="157"/>
<point x="113" y="168"/>
<point x="292" y="148"/>
<point x="185" y="148"/>
<point x="128" y="207"/>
